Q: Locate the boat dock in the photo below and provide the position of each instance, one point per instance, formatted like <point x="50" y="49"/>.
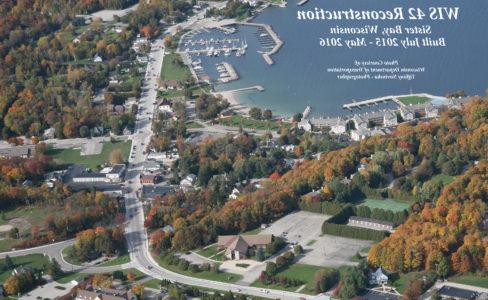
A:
<point x="259" y="88"/>
<point x="375" y="101"/>
<point x="277" y="41"/>
<point x="228" y="74"/>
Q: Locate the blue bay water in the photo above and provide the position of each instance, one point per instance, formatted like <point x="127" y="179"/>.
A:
<point x="299" y="78"/>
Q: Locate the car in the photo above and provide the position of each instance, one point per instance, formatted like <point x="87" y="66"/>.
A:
<point x="149" y="267"/>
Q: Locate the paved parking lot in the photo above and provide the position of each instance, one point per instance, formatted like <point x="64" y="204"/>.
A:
<point x="304" y="228"/>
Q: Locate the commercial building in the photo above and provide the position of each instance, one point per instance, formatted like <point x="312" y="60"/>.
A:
<point x="237" y="246"/>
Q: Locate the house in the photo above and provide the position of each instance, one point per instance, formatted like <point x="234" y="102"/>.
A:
<point x="168" y="229"/>
<point x="235" y="193"/>
<point x="170" y="85"/>
<point x="389" y="118"/>
<point x="360" y="122"/>
<point x="450" y="292"/>
<point x="150" y="178"/>
<point x="97" y="58"/>
<point x="237" y="246"/>
<point x="431" y="111"/>
<point x="49" y="133"/>
<point x="165" y="105"/>
<point x="151" y="166"/>
<point x="104" y="294"/>
<point x="305" y="124"/>
<point x="407" y="113"/>
<point x="378" y="277"/>
<point x="370" y="223"/>
<point x="359" y="134"/>
<point x="337" y="125"/>
<point x="189" y="180"/>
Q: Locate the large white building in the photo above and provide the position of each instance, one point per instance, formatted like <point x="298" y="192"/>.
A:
<point x="109" y="174"/>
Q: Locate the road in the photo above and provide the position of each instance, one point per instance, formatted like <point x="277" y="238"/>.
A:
<point x="136" y="234"/>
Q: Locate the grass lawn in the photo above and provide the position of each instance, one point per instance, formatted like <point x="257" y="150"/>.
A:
<point x="69" y="259"/>
<point x="442" y="178"/>
<point x="471" y="279"/>
<point x="191" y="125"/>
<point x="119" y="260"/>
<point x="172" y="70"/>
<point x="401" y="283"/>
<point x="33" y="260"/>
<point x="302" y="272"/>
<point x="72" y="156"/>
<point x="67" y="277"/>
<point x="209" y="251"/>
<point x="153" y="283"/>
<point x="222" y="276"/>
<point x="413" y="100"/>
<point x="311" y="242"/>
<point x="236" y="121"/>
<point x="7" y="244"/>
<point x="388" y="204"/>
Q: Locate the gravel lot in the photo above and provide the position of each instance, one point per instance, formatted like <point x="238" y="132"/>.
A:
<point x="326" y="250"/>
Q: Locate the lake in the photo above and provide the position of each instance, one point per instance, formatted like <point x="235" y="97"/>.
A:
<point x="299" y="76"/>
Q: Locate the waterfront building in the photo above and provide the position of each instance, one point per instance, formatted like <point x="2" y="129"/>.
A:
<point x="407" y="113"/>
<point x="389" y="118"/>
<point x="431" y="111"/>
<point x="360" y="122"/>
<point x="360" y="134"/>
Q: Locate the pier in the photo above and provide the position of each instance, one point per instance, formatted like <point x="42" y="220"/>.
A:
<point x="375" y="101"/>
<point x="259" y="88"/>
<point x="232" y="74"/>
<point x="278" y="43"/>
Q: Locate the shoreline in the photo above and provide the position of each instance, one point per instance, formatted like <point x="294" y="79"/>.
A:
<point x="234" y="103"/>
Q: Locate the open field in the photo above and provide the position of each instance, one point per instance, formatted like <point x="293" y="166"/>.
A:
<point x="327" y="251"/>
<point x="471" y="279"/>
<point x="388" y="204"/>
<point x="442" y="178"/>
<point x="413" y="100"/>
<point x="302" y="272"/>
<point x="222" y="277"/>
<point x="236" y="121"/>
<point x="174" y="69"/>
<point x="73" y="156"/>
<point x="404" y="279"/>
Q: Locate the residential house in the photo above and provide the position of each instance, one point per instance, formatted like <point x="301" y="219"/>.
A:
<point x="189" y="180"/>
<point x="97" y="58"/>
<point x="237" y="246"/>
<point x="305" y="124"/>
<point x="235" y="193"/>
<point x="359" y="134"/>
<point x="164" y="105"/>
<point x="49" y="133"/>
<point x="170" y="85"/>
<point x="104" y="294"/>
<point x="151" y="178"/>
<point x="378" y="277"/>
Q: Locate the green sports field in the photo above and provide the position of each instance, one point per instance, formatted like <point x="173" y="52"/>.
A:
<point x="388" y="204"/>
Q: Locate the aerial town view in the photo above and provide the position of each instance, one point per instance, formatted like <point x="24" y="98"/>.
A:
<point x="243" y="149"/>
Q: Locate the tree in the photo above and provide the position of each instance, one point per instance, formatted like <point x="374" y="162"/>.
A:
<point x="271" y="268"/>
<point x="297" y="117"/>
<point x="267" y="114"/>
<point x="325" y="279"/>
<point x="138" y="290"/>
<point x="101" y="280"/>
<point x="298" y="249"/>
<point x="116" y="157"/>
<point x="168" y="40"/>
<point x="353" y="281"/>
<point x="260" y="254"/>
<point x="130" y="276"/>
<point x="8" y="264"/>
<point x="12" y="285"/>
<point x="255" y="113"/>
<point x="53" y="269"/>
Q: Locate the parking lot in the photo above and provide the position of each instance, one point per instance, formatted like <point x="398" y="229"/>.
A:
<point x="304" y="228"/>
